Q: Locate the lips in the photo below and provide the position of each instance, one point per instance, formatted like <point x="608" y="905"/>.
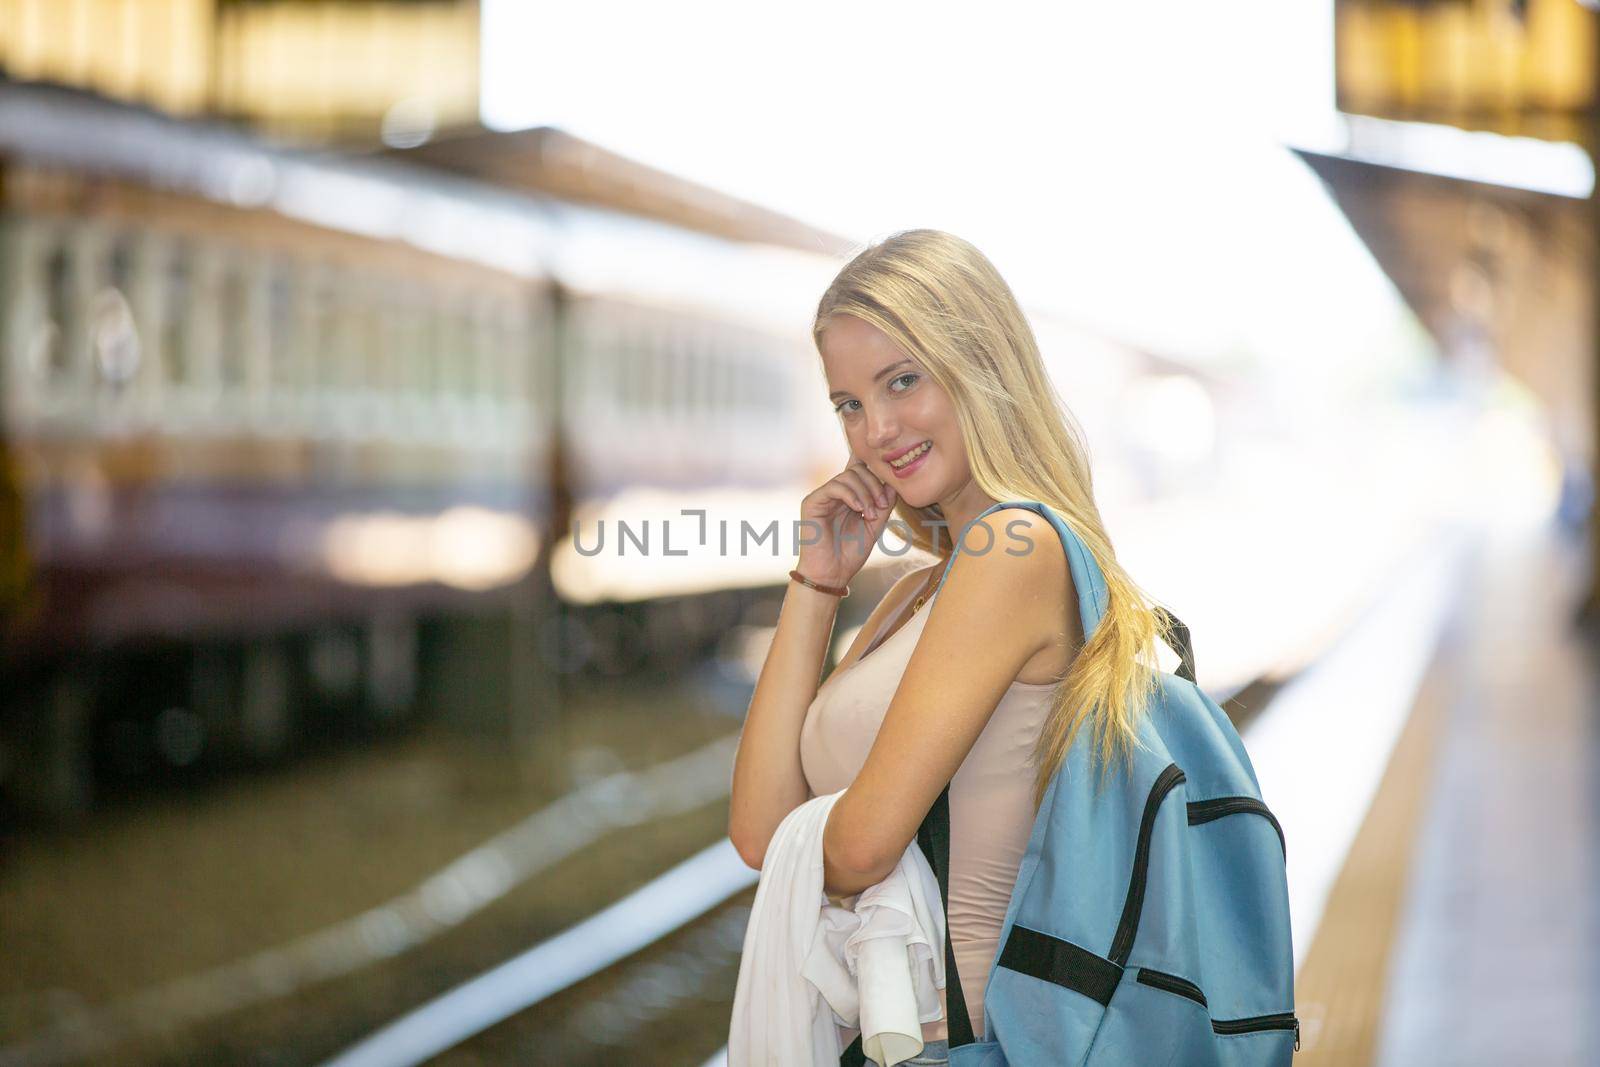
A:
<point x="914" y="465"/>
<point x="890" y="457"/>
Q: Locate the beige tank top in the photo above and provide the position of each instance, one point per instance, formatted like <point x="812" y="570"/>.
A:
<point x="991" y="795"/>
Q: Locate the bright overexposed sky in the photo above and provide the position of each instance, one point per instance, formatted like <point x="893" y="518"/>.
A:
<point x="1121" y="163"/>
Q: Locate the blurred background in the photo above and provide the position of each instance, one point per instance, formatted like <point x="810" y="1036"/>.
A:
<point x="404" y="406"/>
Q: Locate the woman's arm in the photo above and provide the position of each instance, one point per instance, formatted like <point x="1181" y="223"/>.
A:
<point x="993" y="613"/>
<point x="768" y="782"/>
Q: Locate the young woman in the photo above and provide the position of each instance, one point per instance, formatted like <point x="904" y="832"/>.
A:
<point x="947" y="410"/>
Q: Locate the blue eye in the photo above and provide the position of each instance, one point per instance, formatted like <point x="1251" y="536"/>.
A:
<point x="838" y="408"/>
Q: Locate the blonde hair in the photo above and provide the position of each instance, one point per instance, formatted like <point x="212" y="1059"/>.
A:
<point x="943" y="303"/>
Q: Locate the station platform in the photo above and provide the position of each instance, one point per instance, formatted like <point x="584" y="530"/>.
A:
<point x="1462" y="925"/>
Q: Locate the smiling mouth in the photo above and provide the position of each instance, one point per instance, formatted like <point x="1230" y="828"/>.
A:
<point x="911" y="456"/>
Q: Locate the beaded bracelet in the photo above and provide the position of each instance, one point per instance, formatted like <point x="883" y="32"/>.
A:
<point x="831" y="590"/>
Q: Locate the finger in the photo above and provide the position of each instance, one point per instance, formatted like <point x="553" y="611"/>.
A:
<point x="880" y="488"/>
<point x="877" y="525"/>
<point x="846" y="491"/>
<point x="884" y="487"/>
<point x="867" y="486"/>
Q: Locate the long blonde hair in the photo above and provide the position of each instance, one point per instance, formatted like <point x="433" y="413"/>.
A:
<point x="942" y="302"/>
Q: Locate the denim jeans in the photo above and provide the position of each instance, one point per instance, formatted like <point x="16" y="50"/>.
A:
<point x="933" y="1052"/>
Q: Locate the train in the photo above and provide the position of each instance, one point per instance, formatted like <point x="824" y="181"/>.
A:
<point x="286" y="433"/>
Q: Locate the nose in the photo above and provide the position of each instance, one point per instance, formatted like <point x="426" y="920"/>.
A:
<point x="882" y="429"/>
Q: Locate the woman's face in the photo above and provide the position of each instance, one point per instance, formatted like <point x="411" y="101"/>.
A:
<point x="891" y="408"/>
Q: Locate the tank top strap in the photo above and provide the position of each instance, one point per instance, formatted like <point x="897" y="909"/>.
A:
<point x="884" y="632"/>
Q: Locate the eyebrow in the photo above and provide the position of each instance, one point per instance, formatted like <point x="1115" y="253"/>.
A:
<point x="875" y="378"/>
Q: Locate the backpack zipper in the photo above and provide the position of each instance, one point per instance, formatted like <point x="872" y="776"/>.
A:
<point x="1202" y="811"/>
<point x="1122" y="943"/>
<point x="1172" y="984"/>
<point x="1281" y="1021"/>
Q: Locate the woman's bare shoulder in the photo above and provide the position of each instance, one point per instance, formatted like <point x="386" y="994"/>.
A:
<point x="1020" y="562"/>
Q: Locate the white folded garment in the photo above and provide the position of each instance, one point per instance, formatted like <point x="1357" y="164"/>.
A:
<point x="810" y="966"/>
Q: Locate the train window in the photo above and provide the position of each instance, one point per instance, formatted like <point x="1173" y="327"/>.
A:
<point x="693" y="376"/>
<point x="646" y="361"/>
<point x="440" y="347"/>
<point x="595" y="357"/>
<point x="436" y="366"/>
<point x="771" y="385"/>
<point x="305" y="286"/>
<point x="642" y="366"/>
<point x="349" y="360"/>
<point x="585" y="350"/>
<point x="512" y="348"/>
<point x="666" y="371"/>
<point x="709" y="374"/>
<point x="120" y="264"/>
<point x="669" y="376"/>
<point x="473" y="349"/>
<point x="113" y="337"/>
<point x="403" y="335"/>
<point x="734" y="393"/>
<point x="732" y="389"/>
<point x="419" y="327"/>
<point x="460" y="355"/>
<point x="233" y="312"/>
<point x="444" y="352"/>
<point x="755" y="385"/>
<point x="629" y="349"/>
<point x="415" y="326"/>
<point x="366" y="338"/>
<point x="176" y="350"/>
<point x="51" y="358"/>
<point x="114" y="334"/>
<point x="369" y="339"/>
<point x="389" y="346"/>
<point x="280" y="327"/>
<point x="537" y="339"/>
<point x="679" y="375"/>
<point x="463" y="352"/>
<point x="723" y="390"/>
<point x="739" y="377"/>
<point x="445" y="365"/>
<point x="666" y="360"/>
<point x="491" y="358"/>
<point x="706" y="388"/>
<point x="693" y="366"/>
<point x="759" y="378"/>
<point x="501" y="344"/>
<point x="660" y="367"/>
<point x="436" y="338"/>
<point x="325" y="333"/>
<point x="619" y="360"/>
<point x="700" y="378"/>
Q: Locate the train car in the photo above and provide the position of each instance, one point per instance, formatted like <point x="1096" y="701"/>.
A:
<point x="285" y="435"/>
<point x="268" y="412"/>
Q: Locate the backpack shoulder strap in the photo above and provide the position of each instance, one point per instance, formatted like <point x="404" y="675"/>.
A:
<point x="933" y="837"/>
<point x="1087" y="578"/>
<point x="1094" y="597"/>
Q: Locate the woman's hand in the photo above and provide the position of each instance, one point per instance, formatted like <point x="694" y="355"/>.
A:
<point x="844" y="515"/>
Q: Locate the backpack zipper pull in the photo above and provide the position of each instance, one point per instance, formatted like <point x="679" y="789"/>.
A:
<point x="1297" y="1035"/>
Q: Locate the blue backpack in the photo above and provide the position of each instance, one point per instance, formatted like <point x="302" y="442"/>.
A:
<point x="1149" y="923"/>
